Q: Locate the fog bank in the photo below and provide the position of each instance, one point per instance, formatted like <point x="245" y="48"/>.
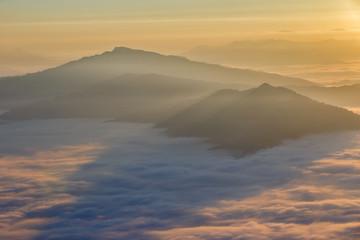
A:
<point x="87" y="179"/>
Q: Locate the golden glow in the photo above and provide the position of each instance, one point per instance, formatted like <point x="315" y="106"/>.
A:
<point x="64" y="30"/>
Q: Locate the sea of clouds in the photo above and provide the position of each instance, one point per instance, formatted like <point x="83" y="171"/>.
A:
<point x="89" y="179"/>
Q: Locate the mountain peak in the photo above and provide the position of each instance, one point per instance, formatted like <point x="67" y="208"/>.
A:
<point x="126" y="50"/>
<point x="123" y="50"/>
<point x="266" y="85"/>
<point x="267" y="89"/>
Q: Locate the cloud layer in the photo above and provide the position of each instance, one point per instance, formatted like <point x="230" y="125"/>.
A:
<point x="75" y="179"/>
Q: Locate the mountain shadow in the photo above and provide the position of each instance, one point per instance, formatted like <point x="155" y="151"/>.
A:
<point x="258" y="118"/>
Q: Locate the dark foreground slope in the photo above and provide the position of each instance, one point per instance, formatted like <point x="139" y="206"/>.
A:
<point x="76" y="75"/>
<point x="131" y="97"/>
<point x="258" y="118"/>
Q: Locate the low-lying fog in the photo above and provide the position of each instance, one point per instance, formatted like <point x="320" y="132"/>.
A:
<point x="88" y="179"/>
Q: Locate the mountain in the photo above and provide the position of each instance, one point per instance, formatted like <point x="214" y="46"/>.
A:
<point x="130" y="97"/>
<point x="87" y="71"/>
<point x="254" y="53"/>
<point x="345" y="96"/>
<point x="258" y="118"/>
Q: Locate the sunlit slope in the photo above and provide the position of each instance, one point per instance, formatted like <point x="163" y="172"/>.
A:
<point x="82" y="73"/>
<point x="258" y="118"/>
<point x="130" y="97"/>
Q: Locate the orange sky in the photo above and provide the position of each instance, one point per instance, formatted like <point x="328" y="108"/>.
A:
<point x="41" y="33"/>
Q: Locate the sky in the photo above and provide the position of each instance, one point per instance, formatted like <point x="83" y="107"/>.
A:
<point x="38" y="33"/>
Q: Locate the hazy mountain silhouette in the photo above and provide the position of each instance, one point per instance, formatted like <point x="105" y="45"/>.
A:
<point x="258" y="118"/>
<point x="278" y="52"/>
<point x="131" y="97"/>
<point x="76" y="75"/>
<point x="348" y="96"/>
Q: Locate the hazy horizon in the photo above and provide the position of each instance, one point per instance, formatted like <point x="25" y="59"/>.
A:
<point x="40" y="34"/>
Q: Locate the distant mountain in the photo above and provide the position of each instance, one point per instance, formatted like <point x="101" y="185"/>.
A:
<point x="272" y="52"/>
<point x="345" y="96"/>
<point x="82" y="73"/>
<point x="131" y="97"/>
<point x="258" y="118"/>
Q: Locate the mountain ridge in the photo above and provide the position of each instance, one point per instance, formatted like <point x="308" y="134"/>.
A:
<point x="78" y="74"/>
